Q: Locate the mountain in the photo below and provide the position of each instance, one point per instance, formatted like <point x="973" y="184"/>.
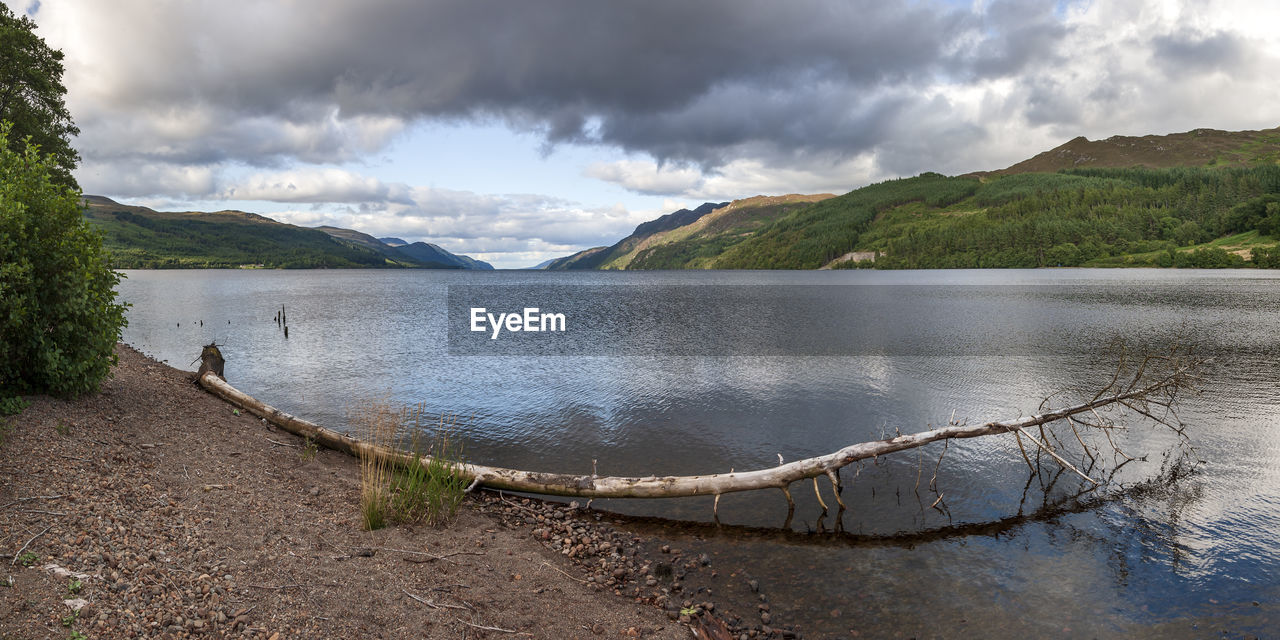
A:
<point x="696" y="244"/>
<point x="417" y="254"/>
<point x="400" y="253"/>
<point x="140" y="237"/>
<point x="585" y="259"/>
<point x="426" y="253"/>
<point x="1202" y="198"/>
<point x="1180" y="216"/>
<point x="541" y="265"/>
<point x="688" y="239"/>
<point x="1195" y="148"/>
<point x="388" y="252"/>
<point x="675" y="219"/>
<point x="619" y="255"/>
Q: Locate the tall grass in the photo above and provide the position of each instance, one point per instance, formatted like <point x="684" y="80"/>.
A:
<point x="377" y="424"/>
<point x="428" y="488"/>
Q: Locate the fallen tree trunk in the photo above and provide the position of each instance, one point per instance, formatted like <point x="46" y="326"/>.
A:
<point x="1132" y="395"/>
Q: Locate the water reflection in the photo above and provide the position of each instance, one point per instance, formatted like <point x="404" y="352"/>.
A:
<point x="1015" y="560"/>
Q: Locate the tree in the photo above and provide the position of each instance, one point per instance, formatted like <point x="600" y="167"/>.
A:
<point x="31" y="93"/>
<point x="59" y="320"/>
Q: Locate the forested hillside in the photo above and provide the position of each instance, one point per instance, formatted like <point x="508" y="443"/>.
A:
<point x="1096" y="217"/>
<point x="147" y="240"/>
<point x="141" y="238"/>
<point x="1202" y="198"/>
<point x="813" y="236"/>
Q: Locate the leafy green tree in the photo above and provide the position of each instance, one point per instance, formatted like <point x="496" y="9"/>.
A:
<point x="31" y="93"/>
<point x="59" y="320"/>
<point x="1270" y="225"/>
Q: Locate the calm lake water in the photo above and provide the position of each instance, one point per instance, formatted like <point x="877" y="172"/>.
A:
<point x="700" y="372"/>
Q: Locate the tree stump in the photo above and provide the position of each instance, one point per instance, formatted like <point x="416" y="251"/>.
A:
<point x="211" y="360"/>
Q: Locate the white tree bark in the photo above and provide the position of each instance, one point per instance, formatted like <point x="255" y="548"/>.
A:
<point x="779" y="477"/>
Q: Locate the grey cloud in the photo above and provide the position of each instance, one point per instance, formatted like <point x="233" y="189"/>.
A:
<point x="1050" y="102"/>
<point x="389" y="208"/>
<point x="1183" y="51"/>
<point x="1025" y="33"/>
<point x="692" y="81"/>
<point x="709" y="85"/>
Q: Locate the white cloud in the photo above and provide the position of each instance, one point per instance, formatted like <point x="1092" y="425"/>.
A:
<point x="503" y="228"/>
<point x="644" y="176"/>
<point x="141" y="179"/>
<point x="329" y="185"/>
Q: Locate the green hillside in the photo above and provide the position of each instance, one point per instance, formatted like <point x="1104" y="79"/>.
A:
<point x="1186" y="217"/>
<point x="138" y="237"/>
<point x="696" y="245"/>
<point x="585" y="259"/>
<point x="355" y="238"/>
<point x="1195" y="148"/>
<point x="142" y="238"/>
<point x="1203" y="198"/>
<point x="813" y="236"/>
<point x="619" y="255"/>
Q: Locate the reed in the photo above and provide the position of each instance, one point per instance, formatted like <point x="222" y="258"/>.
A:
<point x="376" y="423"/>
<point x="427" y="489"/>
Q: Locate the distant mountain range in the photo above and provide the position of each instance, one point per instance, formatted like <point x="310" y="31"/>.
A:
<point x="140" y="237"/>
<point x="1200" y="198"/>
<point x="686" y="238"/>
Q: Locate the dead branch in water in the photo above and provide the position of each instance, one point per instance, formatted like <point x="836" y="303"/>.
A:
<point x="1148" y="386"/>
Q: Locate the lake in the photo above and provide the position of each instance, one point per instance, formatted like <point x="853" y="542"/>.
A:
<point x="703" y="372"/>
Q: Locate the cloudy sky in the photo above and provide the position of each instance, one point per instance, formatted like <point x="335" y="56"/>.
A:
<point x="518" y="131"/>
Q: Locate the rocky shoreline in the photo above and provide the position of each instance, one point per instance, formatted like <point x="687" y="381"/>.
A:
<point x="153" y="509"/>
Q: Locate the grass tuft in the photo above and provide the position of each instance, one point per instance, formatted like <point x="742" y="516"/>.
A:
<point x="377" y="424"/>
<point x="309" y="450"/>
<point x="427" y="486"/>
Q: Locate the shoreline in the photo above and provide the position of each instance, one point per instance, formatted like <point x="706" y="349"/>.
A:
<point x="182" y="517"/>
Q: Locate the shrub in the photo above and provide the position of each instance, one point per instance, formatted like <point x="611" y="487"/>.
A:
<point x="59" y="320"/>
<point x="13" y="405"/>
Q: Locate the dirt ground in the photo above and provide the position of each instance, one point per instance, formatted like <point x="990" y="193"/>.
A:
<point x="172" y="515"/>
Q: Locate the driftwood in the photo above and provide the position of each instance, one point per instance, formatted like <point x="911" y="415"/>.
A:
<point x="1147" y="387"/>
